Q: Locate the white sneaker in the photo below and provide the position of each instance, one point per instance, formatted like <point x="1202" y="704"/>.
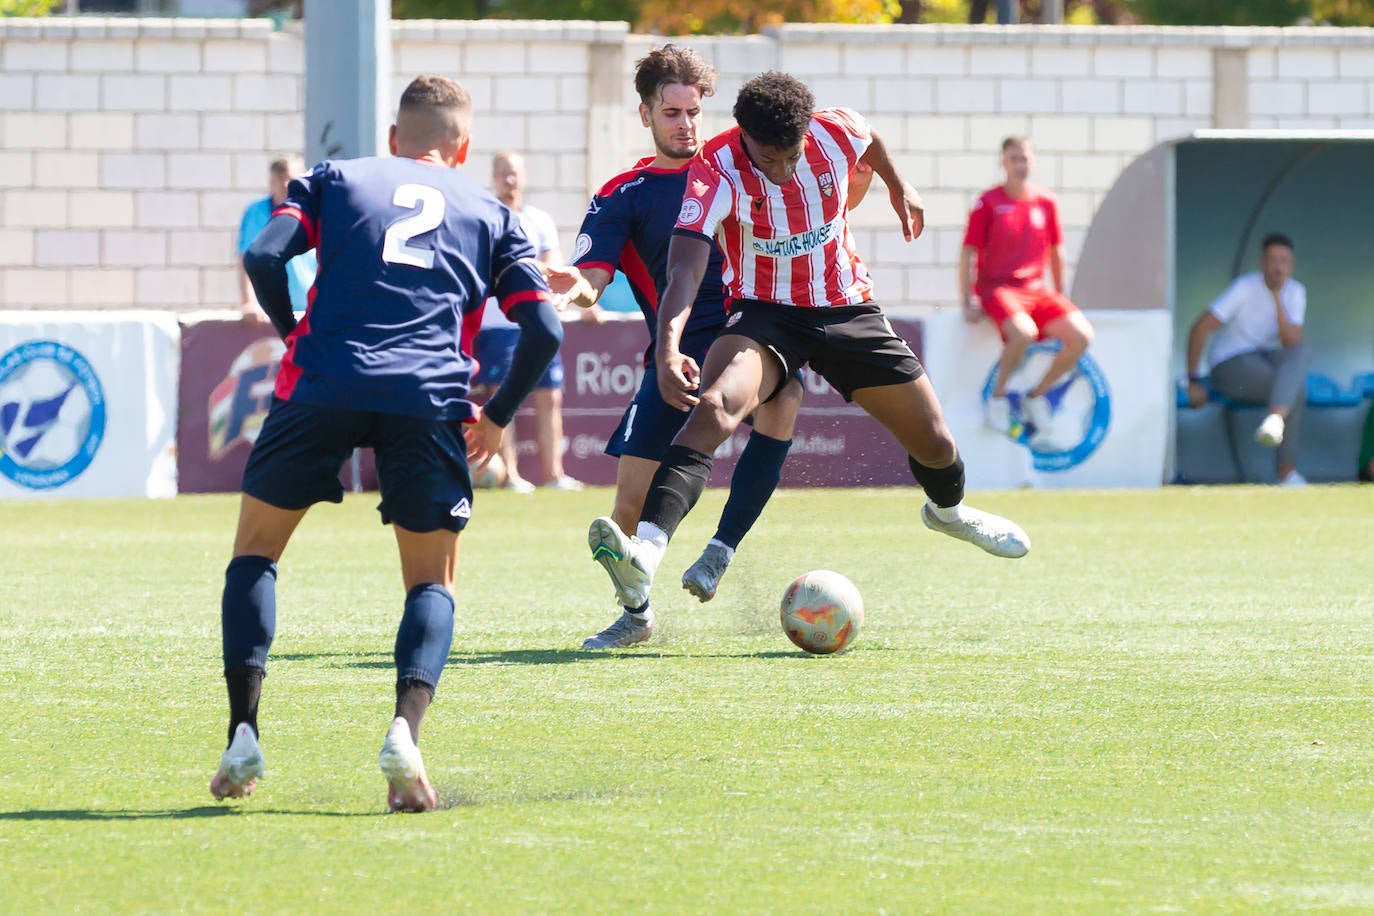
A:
<point x="1270" y="432"/>
<point x="1038" y="412"/>
<point x="519" y="485"/>
<point x="998" y="536"/>
<point x="1292" y="479"/>
<point x="627" y="630"/>
<point x="702" y="578"/>
<point x="240" y="767"/>
<point x="564" y="483"/>
<point x="997" y="415"/>
<point x="404" y="769"/>
<point x="622" y="558"/>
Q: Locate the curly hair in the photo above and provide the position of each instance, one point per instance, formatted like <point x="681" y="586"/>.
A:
<point x="775" y="109"/>
<point x="672" y="64"/>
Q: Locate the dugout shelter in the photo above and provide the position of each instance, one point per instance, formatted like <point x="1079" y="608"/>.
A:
<point x="1186" y="217"/>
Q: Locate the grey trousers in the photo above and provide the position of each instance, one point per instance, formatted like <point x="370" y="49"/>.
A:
<point x="1269" y="377"/>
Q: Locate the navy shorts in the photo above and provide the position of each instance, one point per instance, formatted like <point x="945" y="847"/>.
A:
<point x="851" y="346"/>
<point x="422" y="465"/>
<point x="495" y="347"/>
<point x="649" y="424"/>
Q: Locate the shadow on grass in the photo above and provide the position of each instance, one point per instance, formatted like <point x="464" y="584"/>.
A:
<point x="493" y="657"/>
<point x="168" y="814"/>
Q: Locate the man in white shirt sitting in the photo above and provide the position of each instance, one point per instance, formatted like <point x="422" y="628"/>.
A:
<point x="1256" y="351"/>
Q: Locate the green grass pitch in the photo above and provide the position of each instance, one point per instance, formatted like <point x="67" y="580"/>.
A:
<point x="1165" y="707"/>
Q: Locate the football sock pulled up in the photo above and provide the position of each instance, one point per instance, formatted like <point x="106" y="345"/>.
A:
<point x="676" y="487"/>
<point x="752" y="484"/>
<point x="425" y="634"/>
<point x="248" y="611"/>
<point x="944" y="486"/>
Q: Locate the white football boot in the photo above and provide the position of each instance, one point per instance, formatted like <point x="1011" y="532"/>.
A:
<point x="404" y="769"/>
<point x="240" y="767"/>
<point x="625" y="560"/>
<point x="627" y="630"/>
<point x="998" y="536"/>
<point x="702" y="578"/>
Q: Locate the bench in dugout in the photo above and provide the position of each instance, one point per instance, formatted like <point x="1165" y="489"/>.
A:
<point x="1216" y="442"/>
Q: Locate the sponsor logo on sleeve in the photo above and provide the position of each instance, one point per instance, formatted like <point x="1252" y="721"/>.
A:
<point x="691" y="211"/>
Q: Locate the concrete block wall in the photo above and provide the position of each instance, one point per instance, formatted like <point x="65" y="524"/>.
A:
<point x="128" y="147"/>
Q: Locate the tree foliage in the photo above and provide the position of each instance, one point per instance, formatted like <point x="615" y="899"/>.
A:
<point x="1220" y="12"/>
<point x="26" y="7"/>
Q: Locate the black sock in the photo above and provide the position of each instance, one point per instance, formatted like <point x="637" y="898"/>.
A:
<point x="755" y="478"/>
<point x="412" y="700"/>
<point x="676" y="487"/>
<point x="943" y="486"/>
<point x="245" y="689"/>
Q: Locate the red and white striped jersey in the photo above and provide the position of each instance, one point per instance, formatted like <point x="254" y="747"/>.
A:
<point x="788" y="244"/>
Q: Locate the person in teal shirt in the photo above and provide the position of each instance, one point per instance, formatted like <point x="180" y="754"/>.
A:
<point x="300" y="271"/>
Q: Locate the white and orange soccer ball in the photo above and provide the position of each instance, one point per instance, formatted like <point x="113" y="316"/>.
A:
<point x="822" y="612"/>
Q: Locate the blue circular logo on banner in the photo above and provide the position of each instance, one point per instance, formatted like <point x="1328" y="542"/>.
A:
<point x="52" y="414"/>
<point x="1071" y="419"/>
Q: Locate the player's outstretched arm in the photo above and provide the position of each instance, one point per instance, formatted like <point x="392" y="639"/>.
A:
<point x="281" y="239"/>
<point x="905" y="201"/>
<point x="688" y="258"/>
<point x="581" y="288"/>
<point x="541" y="333"/>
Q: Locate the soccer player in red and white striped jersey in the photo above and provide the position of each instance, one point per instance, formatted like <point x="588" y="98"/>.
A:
<point x="773" y="191"/>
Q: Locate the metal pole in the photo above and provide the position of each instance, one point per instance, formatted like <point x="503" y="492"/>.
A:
<point x="1007" y="13"/>
<point x="1052" y="12"/>
<point x="348" y="101"/>
<point x="347" y="78"/>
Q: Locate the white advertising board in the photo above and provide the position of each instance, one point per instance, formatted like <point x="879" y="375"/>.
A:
<point x="1111" y="414"/>
<point x="88" y="404"/>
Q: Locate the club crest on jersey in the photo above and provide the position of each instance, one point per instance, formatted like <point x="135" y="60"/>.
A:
<point x="238" y="404"/>
<point x="691" y="211"/>
<point x="1037" y="218"/>
<point x="52" y="414"/>
<point x="827" y="183"/>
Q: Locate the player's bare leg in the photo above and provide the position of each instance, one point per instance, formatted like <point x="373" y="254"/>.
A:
<point x="911" y="412"/>
<point x="429" y="565"/>
<point x="249" y="620"/>
<point x="1018" y="333"/>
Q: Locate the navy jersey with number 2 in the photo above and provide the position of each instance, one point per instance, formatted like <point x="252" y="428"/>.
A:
<point x="408" y="253"/>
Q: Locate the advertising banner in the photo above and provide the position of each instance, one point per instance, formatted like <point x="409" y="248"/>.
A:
<point x="88" y="404"/>
<point x="228" y="370"/>
<point x="1110" y="415"/>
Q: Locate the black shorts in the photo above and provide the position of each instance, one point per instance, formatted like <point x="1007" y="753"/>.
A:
<point x="851" y="346"/>
<point x="422" y="465"/>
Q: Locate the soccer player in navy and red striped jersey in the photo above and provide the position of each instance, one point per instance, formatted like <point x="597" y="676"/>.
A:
<point x="773" y="194"/>
<point x="408" y="249"/>
<point x="629" y="226"/>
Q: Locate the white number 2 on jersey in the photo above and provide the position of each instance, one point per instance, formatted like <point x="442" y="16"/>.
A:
<point x="396" y="247"/>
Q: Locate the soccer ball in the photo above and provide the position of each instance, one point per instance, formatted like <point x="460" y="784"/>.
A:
<point x="822" y="612"/>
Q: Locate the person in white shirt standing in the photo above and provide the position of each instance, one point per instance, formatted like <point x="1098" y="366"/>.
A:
<point x="498" y="335"/>
<point x="1256" y="352"/>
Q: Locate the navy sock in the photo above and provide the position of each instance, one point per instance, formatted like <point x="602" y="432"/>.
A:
<point x="943" y="486"/>
<point x="676" y="487"/>
<point x="756" y="477"/>
<point x="425" y="635"/>
<point x="248" y="612"/>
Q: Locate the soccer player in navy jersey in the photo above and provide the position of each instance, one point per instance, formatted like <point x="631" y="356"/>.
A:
<point x="772" y="192"/>
<point x="408" y="250"/>
<point x="629" y="225"/>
